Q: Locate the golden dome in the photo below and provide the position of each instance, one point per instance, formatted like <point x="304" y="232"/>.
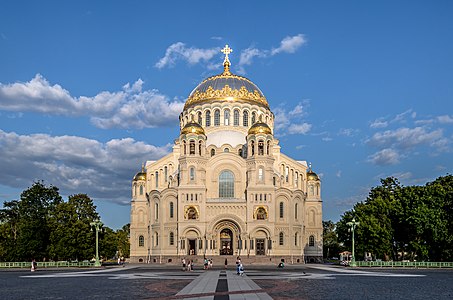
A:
<point x="312" y="176"/>
<point x="260" y="127"/>
<point x="140" y="175"/>
<point x="192" y="127"/>
<point x="226" y="87"/>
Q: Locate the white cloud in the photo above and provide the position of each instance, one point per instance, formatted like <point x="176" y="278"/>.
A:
<point x="129" y="108"/>
<point x="74" y="164"/>
<point x="379" y="123"/>
<point x="445" y="119"/>
<point x="179" y="51"/>
<point x="290" y="44"/>
<point x="327" y="139"/>
<point x="405" y="138"/>
<point x="338" y="174"/>
<point x="349" y="132"/>
<point x="288" y="120"/>
<point x="385" y="157"/>
<point x="303" y="128"/>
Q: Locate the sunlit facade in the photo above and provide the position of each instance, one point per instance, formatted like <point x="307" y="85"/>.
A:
<point x="226" y="188"/>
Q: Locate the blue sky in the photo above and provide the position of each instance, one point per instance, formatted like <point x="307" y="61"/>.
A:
<point x="91" y="89"/>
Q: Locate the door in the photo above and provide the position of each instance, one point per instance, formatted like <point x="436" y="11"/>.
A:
<point x="259" y="246"/>
<point x="192" y="247"/>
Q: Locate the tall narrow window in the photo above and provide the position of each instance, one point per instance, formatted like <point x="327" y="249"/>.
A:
<point x="252" y="145"/>
<point x="295" y="239"/>
<point x="208" y="118"/>
<point x="281" y="210"/>
<point x="141" y="241"/>
<point x="268" y="150"/>
<point x="185" y="147"/>
<point x="226" y="117"/>
<point x="192" y="147"/>
<point x="311" y="241"/>
<point x="171" y="210"/>
<point x="287" y="174"/>
<point x="172" y="238"/>
<point x="296" y="180"/>
<point x="156" y="208"/>
<point x="245" y="119"/>
<point x="200" y="118"/>
<point x="280" y="239"/>
<point x="296" y="207"/>
<point x="200" y="144"/>
<point x="253" y="118"/>
<point x="192" y="174"/>
<point x="212" y="152"/>
<point x="260" y="174"/>
<point x="141" y="189"/>
<point x="157" y="239"/>
<point x="226" y="184"/>
<point x="260" y="148"/>
<point x="236" y="117"/>
<point x="157" y="179"/>
<point x="166" y="173"/>
<point x="217" y="117"/>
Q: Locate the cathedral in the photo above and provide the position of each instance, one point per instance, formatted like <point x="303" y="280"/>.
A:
<point x="226" y="189"/>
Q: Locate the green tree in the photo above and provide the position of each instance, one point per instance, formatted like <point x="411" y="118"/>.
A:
<point x="72" y="237"/>
<point x="123" y="235"/>
<point x="331" y="246"/>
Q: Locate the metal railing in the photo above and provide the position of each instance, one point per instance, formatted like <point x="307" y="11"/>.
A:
<point x="404" y="264"/>
<point x="47" y="264"/>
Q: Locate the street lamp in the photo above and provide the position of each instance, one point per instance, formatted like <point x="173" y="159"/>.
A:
<point x="97" y="225"/>
<point x="353" y="225"/>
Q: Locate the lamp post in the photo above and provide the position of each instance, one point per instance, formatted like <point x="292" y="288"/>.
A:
<point x="97" y="225"/>
<point x="353" y="225"/>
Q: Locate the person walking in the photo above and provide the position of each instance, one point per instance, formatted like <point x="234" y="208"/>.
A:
<point x="226" y="263"/>
<point x="183" y="261"/>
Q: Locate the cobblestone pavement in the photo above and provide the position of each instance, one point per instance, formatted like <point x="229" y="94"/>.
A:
<point x="260" y="282"/>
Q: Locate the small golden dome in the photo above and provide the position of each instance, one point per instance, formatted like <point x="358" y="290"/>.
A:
<point x="312" y="176"/>
<point x="260" y="127"/>
<point x="192" y="127"/>
<point x="140" y="175"/>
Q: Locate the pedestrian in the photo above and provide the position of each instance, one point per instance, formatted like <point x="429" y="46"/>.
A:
<point x="210" y="264"/>
<point x="226" y="263"/>
<point x="34" y="265"/>
<point x="205" y="263"/>
<point x="241" y="269"/>
<point x="183" y="264"/>
<point x="119" y="261"/>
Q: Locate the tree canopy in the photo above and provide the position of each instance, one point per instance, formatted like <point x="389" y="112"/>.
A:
<point x="42" y="226"/>
<point x="404" y="222"/>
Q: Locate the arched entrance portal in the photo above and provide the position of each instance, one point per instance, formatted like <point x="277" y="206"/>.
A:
<point x="226" y="242"/>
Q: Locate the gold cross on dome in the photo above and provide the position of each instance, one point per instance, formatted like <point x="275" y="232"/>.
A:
<point x="226" y="50"/>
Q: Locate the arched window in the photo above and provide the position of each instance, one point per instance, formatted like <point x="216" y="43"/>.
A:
<point x="156" y="208"/>
<point x="252" y="145"/>
<point x="200" y="118"/>
<point x="212" y="152"/>
<point x="245" y="119"/>
<point x="171" y="209"/>
<point x="157" y="239"/>
<point x="236" y="117"/>
<point x="295" y="210"/>
<point x="311" y="241"/>
<point x="166" y="173"/>
<point x="296" y="180"/>
<point x="240" y="152"/>
<point x="281" y="210"/>
<point x="157" y="179"/>
<point x="260" y="174"/>
<point x="268" y="150"/>
<point x="185" y="147"/>
<point x="287" y="174"/>
<point x="141" y="189"/>
<point x="192" y="147"/>
<point x="226" y="117"/>
<point x="260" y="148"/>
<point x="295" y="239"/>
<point x="208" y="118"/>
<point x="217" y="117"/>
<point x="172" y="238"/>
<point x="253" y="118"/>
<point x="192" y="174"/>
<point x="200" y="144"/>
<point x="226" y="150"/>
<point x="226" y="184"/>
<point x="141" y="241"/>
<point x="280" y="239"/>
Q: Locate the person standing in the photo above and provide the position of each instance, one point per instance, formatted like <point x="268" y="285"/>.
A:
<point x="226" y="263"/>
<point x="34" y="265"/>
<point x="183" y="264"/>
